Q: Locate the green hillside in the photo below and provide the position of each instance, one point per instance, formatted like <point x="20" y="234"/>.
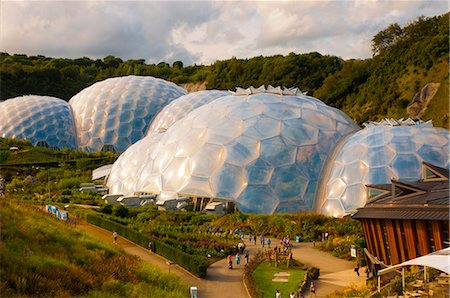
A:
<point x="43" y="257"/>
<point x="405" y="59"/>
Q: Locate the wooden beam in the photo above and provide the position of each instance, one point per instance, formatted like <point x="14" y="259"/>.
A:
<point x="437" y="234"/>
<point x="410" y="242"/>
<point x="392" y="242"/>
<point x="423" y="239"/>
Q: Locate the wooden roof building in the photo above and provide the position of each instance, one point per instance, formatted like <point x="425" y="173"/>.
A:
<point x="405" y="220"/>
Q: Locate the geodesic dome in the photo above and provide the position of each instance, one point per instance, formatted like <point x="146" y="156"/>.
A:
<point x="375" y="155"/>
<point x="180" y="107"/>
<point x="263" y="151"/>
<point x="113" y="114"/>
<point x="43" y="120"/>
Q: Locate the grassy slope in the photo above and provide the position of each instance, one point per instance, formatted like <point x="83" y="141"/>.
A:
<point x="40" y="256"/>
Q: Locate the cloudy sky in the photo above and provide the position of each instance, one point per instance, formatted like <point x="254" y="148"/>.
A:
<point x="200" y="32"/>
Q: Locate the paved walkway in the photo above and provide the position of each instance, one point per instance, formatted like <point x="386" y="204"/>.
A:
<point x="223" y="283"/>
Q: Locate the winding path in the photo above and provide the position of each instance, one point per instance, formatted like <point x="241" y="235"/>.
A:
<point x="223" y="283"/>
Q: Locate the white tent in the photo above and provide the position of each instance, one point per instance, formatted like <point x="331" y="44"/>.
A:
<point x="439" y="260"/>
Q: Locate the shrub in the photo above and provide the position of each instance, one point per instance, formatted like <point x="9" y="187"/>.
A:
<point x="120" y="211"/>
<point x="313" y="273"/>
<point x="66" y="192"/>
<point x="107" y="209"/>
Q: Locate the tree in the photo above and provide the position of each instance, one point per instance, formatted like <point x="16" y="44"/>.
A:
<point x="178" y="64"/>
<point x="386" y="38"/>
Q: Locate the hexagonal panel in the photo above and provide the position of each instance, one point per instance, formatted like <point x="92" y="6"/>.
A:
<point x="433" y="155"/>
<point x="257" y="199"/>
<point x="354" y="197"/>
<point x="407" y="166"/>
<point x="286" y="182"/>
<point x="276" y="152"/>
<point x="332" y="208"/>
<point x="299" y="133"/>
<point x="225" y="130"/>
<point x="261" y="127"/>
<point x="229" y="181"/>
<point x="207" y="160"/>
<point x="242" y="151"/>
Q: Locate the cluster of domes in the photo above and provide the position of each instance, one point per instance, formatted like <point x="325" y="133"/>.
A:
<point x="109" y="115"/>
<point x="267" y="150"/>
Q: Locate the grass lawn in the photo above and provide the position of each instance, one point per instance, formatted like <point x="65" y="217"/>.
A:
<point x="264" y="274"/>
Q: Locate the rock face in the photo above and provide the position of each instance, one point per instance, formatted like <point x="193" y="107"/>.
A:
<point x="420" y="101"/>
<point x="194" y="87"/>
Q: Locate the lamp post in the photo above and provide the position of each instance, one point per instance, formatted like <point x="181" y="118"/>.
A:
<point x="169" y="263"/>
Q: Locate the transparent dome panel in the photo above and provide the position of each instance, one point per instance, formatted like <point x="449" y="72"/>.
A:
<point x="257" y="199"/>
<point x="229" y="181"/>
<point x="276" y="152"/>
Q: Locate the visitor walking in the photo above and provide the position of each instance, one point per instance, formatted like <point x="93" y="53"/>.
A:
<point x="357" y="268"/>
<point x="150" y="246"/>
<point x="278" y="294"/>
<point x="115" y="236"/>
<point x="268" y="242"/>
<point x="238" y="259"/>
<point x="312" y="289"/>
<point x="230" y="262"/>
<point x="246" y="257"/>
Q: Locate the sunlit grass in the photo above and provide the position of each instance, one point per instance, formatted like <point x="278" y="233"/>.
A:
<point x="264" y="274"/>
<point x="41" y="256"/>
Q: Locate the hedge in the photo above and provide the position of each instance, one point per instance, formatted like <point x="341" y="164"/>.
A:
<point x="195" y="264"/>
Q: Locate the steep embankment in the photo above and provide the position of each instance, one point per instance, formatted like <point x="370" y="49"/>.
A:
<point x="42" y="257"/>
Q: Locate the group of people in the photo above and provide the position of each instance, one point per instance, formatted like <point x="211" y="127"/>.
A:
<point x="312" y="291"/>
<point x="238" y="259"/>
<point x="262" y="240"/>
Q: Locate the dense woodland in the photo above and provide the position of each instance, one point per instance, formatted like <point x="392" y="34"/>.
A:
<point x="404" y="60"/>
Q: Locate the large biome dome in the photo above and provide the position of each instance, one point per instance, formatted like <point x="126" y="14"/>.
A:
<point x="375" y="155"/>
<point x="43" y="120"/>
<point x="115" y="113"/>
<point x="262" y="151"/>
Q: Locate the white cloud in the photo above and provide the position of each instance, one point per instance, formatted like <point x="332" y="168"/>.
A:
<point x="201" y="32"/>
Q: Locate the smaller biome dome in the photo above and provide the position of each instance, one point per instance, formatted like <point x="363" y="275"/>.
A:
<point x="180" y="107"/>
<point x="113" y="114"/>
<point x="263" y="151"/>
<point x="43" y="120"/>
<point x="391" y="149"/>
